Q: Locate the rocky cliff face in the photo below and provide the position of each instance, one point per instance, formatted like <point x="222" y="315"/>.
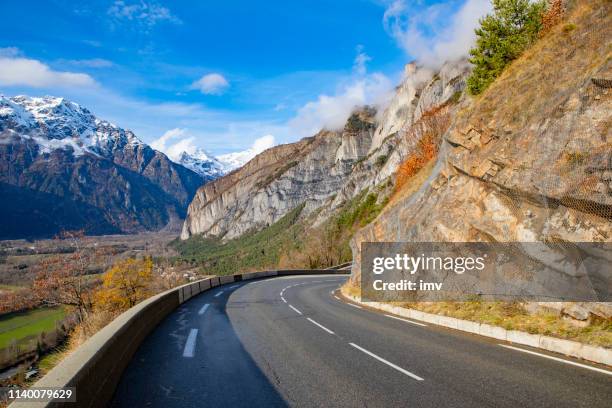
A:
<point x="63" y="168"/>
<point x="530" y="160"/>
<point x="278" y="180"/>
<point x="323" y="171"/>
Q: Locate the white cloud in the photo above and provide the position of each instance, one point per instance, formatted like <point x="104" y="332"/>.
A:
<point x="263" y="143"/>
<point x="359" y="65"/>
<point x="16" y="70"/>
<point x="91" y="63"/>
<point x="148" y="14"/>
<point x="174" y="150"/>
<point x="332" y="111"/>
<point x="211" y="84"/>
<point x="435" y="34"/>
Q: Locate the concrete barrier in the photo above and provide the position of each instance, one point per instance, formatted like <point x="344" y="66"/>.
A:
<point x="95" y="367"/>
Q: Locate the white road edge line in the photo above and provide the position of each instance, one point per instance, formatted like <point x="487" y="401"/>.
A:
<point x="390" y="364"/>
<point x="283" y="299"/>
<point x="600" y="370"/>
<point x="350" y="304"/>
<point x="297" y="311"/>
<point x="320" y="325"/>
<point x="219" y="294"/>
<point x="406" y="320"/>
<point x="190" y="343"/>
<point x="203" y="309"/>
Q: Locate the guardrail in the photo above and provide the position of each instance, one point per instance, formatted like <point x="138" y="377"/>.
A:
<point x="95" y="367"/>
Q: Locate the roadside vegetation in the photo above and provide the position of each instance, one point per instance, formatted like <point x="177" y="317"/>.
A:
<point x="73" y="286"/>
<point x="514" y="316"/>
<point x="329" y="244"/>
<point x="502" y="37"/>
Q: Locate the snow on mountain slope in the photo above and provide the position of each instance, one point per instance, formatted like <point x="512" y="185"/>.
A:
<point x="56" y="123"/>
<point x="61" y="167"/>
<point x="202" y="163"/>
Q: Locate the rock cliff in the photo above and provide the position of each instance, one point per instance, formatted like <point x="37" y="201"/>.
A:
<point x="530" y="160"/>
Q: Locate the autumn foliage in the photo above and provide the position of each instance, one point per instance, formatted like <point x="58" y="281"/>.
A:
<point x="68" y="279"/>
<point x="428" y="132"/>
<point x="125" y="284"/>
<point x="552" y="16"/>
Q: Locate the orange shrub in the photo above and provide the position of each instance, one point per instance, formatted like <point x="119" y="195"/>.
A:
<point x="552" y="16"/>
<point x="430" y="128"/>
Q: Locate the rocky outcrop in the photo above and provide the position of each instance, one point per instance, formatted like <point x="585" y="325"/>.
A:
<point x="62" y="168"/>
<point x="530" y="160"/>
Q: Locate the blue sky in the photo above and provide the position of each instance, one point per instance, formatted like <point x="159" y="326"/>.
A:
<point x="219" y="75"/>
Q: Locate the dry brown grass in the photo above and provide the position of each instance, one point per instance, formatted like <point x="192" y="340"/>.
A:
<point x="513" y="316"/>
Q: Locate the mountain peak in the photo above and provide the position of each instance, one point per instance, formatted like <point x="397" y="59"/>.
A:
<point x="206" y="165"/>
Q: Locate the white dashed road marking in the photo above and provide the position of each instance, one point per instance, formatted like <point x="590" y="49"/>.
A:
<point x="320" y="325"/>
<point x="219" y="294"/>
<point x="390" y="364"/>
<point x="190" y="343"/>
<point x="203" y="309"/>
<point x="295" y="310"/>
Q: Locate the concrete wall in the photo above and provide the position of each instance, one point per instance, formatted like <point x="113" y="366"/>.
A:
<point x="95" y="367"/>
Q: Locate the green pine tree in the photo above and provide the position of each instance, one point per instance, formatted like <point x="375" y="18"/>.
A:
<point x="502" y="37"/>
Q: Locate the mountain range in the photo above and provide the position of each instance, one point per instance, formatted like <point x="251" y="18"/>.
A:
<point x="63" y="168"/>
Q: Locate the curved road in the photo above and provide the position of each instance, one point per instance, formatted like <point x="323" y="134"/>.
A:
<point x="290" y="341"/>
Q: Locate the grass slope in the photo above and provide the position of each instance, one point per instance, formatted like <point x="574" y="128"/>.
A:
<point x="22" y="326"/>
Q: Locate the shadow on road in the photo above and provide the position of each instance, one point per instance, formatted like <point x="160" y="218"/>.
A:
<point x="220" y="374"/>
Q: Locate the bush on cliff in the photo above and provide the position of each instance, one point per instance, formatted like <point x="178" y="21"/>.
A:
<point x="502" y="37"/>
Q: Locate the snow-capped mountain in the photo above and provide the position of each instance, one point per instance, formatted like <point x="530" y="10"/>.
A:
<point x="56" y="123"/>
<point x="61" y="167"/>
<point x="207" y="165"/>
<point x="203" y="163"/>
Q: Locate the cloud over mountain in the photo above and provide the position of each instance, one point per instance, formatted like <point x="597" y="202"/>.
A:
<point x="437" y="33"/>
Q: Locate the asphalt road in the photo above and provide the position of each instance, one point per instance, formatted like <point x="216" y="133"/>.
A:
<point x="291" y="342"/>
